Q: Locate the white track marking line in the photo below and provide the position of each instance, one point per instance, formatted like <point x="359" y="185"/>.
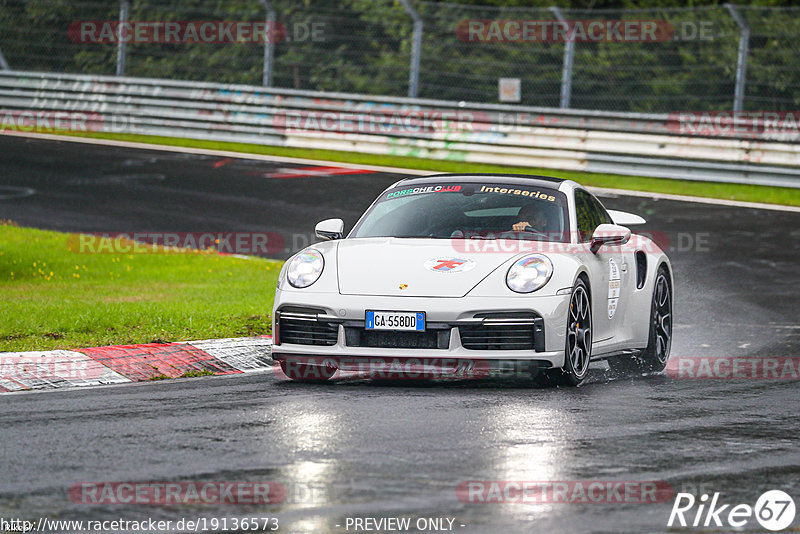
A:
<point x="377" y="168"/>
<point x="211" y="152"/>
<point x="698" y="200"/>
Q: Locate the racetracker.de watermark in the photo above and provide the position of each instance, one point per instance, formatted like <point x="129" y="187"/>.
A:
<point x="177" y="493"/>
<point x="193" y="32"/>
<point x="581" y="31"/>
<point x="382" y="121"/>
<point x="735" y="368"/>
<point x="558" y="242"/>
<point x="45" y="121"/>
<point x="389" y="368"/>
<point x="246" y="243"/>
<point x="777" y="124"/>
<point x="564" y="492"/>
<point x="47" y="366"/>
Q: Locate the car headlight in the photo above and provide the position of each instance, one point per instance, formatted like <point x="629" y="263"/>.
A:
<point x="529" y="273"/>
<point x="305" y="268"/>
<point x="282" y="274"/>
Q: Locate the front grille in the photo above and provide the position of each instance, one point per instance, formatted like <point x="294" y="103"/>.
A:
<point x="304" y="332"/>
<point x="489" y="337"/>
<point x="387" y="339"/>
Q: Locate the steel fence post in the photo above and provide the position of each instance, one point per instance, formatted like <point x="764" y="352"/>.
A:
<point x="416" y="49"/>
<point x="741" y="60"/>
<point x="122" y="45"/>
<point x="3" y="62"/>
<point x="566" y="71"/>
<point x="269" y="44"/>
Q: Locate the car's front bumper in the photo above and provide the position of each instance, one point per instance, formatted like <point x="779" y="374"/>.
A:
<point x="348" y="311"/>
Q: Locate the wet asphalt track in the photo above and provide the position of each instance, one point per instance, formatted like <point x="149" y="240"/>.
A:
<point x="361" y="449"/>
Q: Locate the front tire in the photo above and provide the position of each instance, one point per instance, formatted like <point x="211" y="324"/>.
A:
<point x="659" y="343"/>
<point x="578" y="346"/>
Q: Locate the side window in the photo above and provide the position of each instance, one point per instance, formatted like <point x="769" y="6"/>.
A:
<point x="605" y="218"/>
<point x="589" y="217"/>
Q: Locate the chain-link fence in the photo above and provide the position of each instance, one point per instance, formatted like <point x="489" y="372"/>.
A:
<point x="653" y="60"/>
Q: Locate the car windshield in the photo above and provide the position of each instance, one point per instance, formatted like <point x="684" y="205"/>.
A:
<point x="468" y="211"/>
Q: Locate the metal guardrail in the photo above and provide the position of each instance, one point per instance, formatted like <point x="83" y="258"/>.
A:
<point x="592" y="141"/>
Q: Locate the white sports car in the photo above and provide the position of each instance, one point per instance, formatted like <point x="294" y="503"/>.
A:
<point x="468" y="270"/>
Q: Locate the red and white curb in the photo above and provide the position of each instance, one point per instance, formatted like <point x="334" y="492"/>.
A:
<point x="118" y="364"/>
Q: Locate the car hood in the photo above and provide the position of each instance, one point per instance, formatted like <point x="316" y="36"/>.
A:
<point x="402" y="267"/>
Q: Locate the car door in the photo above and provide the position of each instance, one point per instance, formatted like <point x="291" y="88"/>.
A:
<point x="605" y="268"/>
<point x="621" y="280"/>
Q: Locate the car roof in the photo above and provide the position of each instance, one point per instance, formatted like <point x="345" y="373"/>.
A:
<point x="512" y="179"/>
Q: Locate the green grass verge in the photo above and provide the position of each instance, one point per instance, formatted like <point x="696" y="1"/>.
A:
<point x="53" y="298"/>
<point x="749" y="193"/>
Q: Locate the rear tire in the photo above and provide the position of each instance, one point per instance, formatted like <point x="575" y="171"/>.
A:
<point x="659" y="343"/>
<point x="578" y="345"/>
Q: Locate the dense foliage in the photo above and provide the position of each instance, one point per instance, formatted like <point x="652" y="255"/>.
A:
<point x="364" y="46"/>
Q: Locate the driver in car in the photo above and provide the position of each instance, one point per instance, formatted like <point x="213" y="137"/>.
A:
<point x="530" y="219"/>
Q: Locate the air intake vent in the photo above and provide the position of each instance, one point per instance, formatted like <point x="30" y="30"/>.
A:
<point x="496" y="337"/>
<point x="641" y="269"/>
<point x="307" y="332"/>
<point x="504" y="333"/>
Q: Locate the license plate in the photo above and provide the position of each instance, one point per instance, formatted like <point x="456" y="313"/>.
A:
<point x="392" y="320"/>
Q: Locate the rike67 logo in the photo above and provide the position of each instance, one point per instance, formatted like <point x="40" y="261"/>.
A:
<point x="774" y="511"/>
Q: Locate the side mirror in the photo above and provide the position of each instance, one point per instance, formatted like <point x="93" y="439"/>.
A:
<point x="609" y="234"/>
<point x="331" y="229"/>
<point x="624" y="218"/>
